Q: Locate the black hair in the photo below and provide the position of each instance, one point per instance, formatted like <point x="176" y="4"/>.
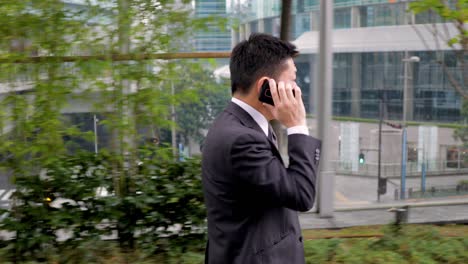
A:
<point x="260" y="55"/>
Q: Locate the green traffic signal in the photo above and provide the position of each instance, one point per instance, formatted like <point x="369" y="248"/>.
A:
<point x="361" y="158"/>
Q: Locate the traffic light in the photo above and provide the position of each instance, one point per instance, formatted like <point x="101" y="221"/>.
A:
<point x="361" y="158"/>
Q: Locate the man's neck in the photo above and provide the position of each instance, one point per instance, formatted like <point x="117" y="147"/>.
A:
<point x="253" y="102"/>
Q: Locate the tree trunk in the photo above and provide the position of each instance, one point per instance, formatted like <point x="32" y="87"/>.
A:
<point x="285" y="19"/>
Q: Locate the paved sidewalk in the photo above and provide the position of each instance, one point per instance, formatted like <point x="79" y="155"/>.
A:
<point x="429" y="214"/>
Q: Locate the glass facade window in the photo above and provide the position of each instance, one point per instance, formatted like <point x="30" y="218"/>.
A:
<point x="212" y="38"/>
<point x="376" y="76"/>
<point x="272" y="25"/>
<point x="258" y="9"/>
<point x="342" y="84"/>
<point x="435" y="98"/>
<point x="456" y="157"/>
<point x="428" y="17"/>
<point x="254" y="26"/>
<point x="381" y="77"/>
<point x="209" y="7"/>
<point x="301" y="24"/>
<point x="342" y="18"/>
<point x="382" y="15"/>
<point x="268" y="24"/>
<point x="308" y="5"/>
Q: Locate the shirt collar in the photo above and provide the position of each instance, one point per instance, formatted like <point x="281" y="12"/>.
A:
<point x="256" y="115"/>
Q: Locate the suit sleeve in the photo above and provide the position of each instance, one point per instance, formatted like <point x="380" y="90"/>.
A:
<point x="293" y="187"/>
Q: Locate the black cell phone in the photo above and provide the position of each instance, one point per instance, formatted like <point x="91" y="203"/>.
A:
<point x="265" y="93"/>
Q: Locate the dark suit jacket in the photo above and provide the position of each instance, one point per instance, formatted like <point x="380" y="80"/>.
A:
<point x="251" y="198"/>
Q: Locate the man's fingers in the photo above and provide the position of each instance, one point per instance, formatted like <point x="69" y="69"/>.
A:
<point x="297" y="92"/>
<point x="282" y="92"/>
<point x="274" y="91"/>
<point x="289" y="91"/>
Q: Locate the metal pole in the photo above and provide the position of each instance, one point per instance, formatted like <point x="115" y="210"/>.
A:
<point x="380" y="149"/>
<point x="423" y="177"/>
<point x="324" y="86"/>
<point x="173" y="126"/>
<point x="403" y="165"/>
<point x="95" y="134"/>
<point x="403" y="143"/>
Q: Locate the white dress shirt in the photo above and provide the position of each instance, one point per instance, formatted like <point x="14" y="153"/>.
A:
<point x="263" y="122"/>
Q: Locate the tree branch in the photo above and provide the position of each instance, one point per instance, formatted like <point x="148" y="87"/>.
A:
<point x="453" y="82"/>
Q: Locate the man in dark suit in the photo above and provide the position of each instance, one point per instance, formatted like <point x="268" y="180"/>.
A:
<point x="251" y="197"/>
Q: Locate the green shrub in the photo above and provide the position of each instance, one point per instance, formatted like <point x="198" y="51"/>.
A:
<point x="399" y="245"/>
<point x="161" y="209"/>
<point x="320" y="251"/>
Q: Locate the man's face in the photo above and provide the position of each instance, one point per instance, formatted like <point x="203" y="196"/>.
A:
<point x="289" y="73"/>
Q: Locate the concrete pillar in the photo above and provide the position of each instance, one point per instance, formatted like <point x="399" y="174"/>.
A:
<point x="356" y="85"/>
<point x="410" y="93"/>
<point x="261" y="25"/>
<point x="241" y="32"/>
<point x="409" y="17"/>
<point x="247" y="30"/>
<point x="314" y="20"/>
<point x="355" y="17"/>
<point x="326" y="193"/>
<point x="235" y="32"/>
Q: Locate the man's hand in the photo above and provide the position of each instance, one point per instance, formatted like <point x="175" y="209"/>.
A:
<point x="289" y="109"/>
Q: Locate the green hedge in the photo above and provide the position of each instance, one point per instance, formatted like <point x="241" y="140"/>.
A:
<point x="399" y="245"/>
<point x="409" y="244"/>
<point x="159" y="217"/>
<point x="161" y="210"/>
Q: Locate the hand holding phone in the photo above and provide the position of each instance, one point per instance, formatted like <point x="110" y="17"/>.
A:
<point x="290" y="110"/>
<point x="265" y="93"/>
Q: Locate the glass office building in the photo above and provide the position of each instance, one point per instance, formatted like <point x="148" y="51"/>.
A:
<point x="214" y="37"/>
<point x="371" y="38"/>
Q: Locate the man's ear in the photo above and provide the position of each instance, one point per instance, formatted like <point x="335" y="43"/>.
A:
<point x="259" y="83"/>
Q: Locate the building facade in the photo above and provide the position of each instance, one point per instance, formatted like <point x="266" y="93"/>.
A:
<point x="371" y="39"/>
<point x="215" y="37"/>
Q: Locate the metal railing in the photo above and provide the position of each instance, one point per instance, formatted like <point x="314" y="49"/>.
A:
<point x="389" y="170"/>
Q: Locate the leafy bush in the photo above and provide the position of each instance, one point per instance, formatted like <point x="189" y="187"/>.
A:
<point x="160" y="211"/>
<point x="399" y="245"/>
<point x="320" y="251"/>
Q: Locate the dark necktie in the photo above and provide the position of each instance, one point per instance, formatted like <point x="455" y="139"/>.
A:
<point x="272" y="135"/>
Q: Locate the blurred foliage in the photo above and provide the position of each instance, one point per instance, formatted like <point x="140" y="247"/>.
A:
<point x="129" y="96"/>
<point x="59" y="210"/>
<point x="399" y="245"/>
<point x="461" y="133"/>
<point x="194" y="115"/>
<point x="155" y="202"/>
